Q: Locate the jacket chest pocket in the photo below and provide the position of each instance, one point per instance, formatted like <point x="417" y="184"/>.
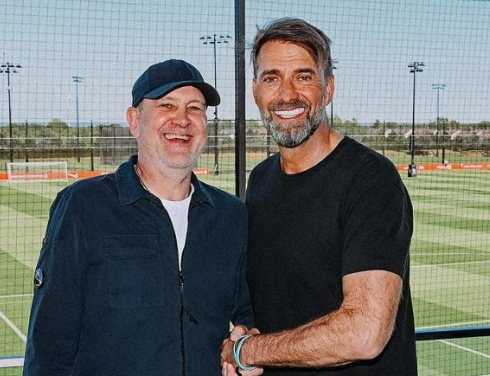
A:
<point x="134" y="271"/>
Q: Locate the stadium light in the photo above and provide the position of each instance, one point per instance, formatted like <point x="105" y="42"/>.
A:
<point x="77" y="80"/>
<point x="438" y="87"/>
<point x="444" y="123"/>
<point x="412" y="168"/>
<point x="214" y="40"/>
<point x="334" y="66"/>
<point x="10" y="68"/>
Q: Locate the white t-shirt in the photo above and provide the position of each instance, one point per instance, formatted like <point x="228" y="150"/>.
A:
<point x="178" y="212"/>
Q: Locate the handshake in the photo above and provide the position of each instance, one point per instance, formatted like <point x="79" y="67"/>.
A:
<point x="233" y="362"/>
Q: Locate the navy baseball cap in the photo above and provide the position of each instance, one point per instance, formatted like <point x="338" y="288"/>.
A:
<point x="161" y="78"/>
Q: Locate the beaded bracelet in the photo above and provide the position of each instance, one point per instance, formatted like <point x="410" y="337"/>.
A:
<point x="236" y="353"/>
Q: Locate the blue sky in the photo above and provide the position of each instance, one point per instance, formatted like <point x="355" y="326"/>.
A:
<point x="110" y="42"/>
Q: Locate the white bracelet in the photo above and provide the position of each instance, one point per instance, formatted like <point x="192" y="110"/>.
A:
<point x="237" y="346"/>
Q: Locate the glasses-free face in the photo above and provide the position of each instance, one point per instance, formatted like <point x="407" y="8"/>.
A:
<point x="291" y="92"/>
<point x="171" y="131"/>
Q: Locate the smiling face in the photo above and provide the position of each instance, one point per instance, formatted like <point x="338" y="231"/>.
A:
<point x="171" y="131"/>
<point x="290" y="92"/>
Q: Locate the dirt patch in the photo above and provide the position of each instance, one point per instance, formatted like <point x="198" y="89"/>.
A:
<point x="473" y="153"/>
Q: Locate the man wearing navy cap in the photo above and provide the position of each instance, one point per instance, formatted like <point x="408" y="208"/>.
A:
<point x="141" y="271"/>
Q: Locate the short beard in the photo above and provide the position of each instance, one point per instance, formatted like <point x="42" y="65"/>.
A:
<point x="293" y="136"/>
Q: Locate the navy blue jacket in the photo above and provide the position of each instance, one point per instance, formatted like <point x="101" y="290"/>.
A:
<point x="111" y="300"/>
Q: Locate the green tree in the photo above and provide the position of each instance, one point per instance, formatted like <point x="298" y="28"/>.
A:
<point x="57" y="124"/>
<point x="453" y="124"/>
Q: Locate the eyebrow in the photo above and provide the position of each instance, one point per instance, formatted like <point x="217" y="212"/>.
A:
<point x="276" y="71"/>
<point x="269" y="71"/>
<point x="195" y="100"/>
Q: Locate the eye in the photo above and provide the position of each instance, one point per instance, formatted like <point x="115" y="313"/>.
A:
<point x="270" y="79"/>
<point x="195" y="109"/>
<point x="166" y="105"/>
<point x="305" y="77"/>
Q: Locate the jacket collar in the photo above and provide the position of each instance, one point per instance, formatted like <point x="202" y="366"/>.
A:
<point x="131" y="190"/>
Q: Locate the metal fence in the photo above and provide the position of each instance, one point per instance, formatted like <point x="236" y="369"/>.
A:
<point x="66" y="79"/>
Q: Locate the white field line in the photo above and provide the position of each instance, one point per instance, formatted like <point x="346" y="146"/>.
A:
<point x="455" y="325"/>
<point x="450" y="263"/>
<point x="16" y="296"/>
<point x="465" y="349"/>
<point x="11" y="362"/>
<point x="13" y="327"/>
<point x="440" y="254"/>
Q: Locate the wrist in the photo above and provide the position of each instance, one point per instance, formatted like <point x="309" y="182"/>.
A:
<point x="237" y="348"/>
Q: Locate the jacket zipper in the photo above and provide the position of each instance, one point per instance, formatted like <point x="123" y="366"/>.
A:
<point x="183" y="311"/>
<point x="183" y="314"/>
<point x="182" y="349"/>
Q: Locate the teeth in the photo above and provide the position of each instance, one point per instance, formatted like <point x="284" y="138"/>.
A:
<point x="176" y="136"/>
<point x="290" y="114"/>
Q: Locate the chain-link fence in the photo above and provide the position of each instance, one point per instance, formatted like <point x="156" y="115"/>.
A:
<point x="66" y="80"/>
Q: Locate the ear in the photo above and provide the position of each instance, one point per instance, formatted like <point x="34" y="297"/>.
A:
<point x="132" y="120"/>
<point x="330" y="89"/>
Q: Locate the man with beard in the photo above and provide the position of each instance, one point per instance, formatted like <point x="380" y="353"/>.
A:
<point x="142" y="270"/>
<point x="330" y="224"/>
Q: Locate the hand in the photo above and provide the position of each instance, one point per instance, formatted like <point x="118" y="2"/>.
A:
<point x="227" y="344"/>
<point x="237" y="332"/>
<point x="229" y="368"/>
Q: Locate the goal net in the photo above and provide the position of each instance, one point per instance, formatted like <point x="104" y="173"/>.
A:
<point x="24" y="172"/>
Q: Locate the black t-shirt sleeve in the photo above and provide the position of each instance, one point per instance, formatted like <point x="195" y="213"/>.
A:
<point x="377" y="222"/>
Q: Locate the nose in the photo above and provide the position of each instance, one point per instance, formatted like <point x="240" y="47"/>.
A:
<point x="287" y="91"/>
<point x="181" y="117"/>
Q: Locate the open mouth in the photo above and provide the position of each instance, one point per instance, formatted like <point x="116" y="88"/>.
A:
<point x="289" y="114"/>
<point x="179" y="137"/>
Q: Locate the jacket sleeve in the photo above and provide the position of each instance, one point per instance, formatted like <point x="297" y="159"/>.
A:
<point x="54" y="326"/>
<point x="242" y="313"/>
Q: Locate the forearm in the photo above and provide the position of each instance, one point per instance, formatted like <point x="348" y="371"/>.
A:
<point x="358" y="330"/>
<point x="323" y="342"/>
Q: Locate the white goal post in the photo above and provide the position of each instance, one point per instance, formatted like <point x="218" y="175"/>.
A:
<point x="26" y="172"/>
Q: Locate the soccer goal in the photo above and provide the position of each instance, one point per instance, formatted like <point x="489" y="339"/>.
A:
<point x="25" y="172"/>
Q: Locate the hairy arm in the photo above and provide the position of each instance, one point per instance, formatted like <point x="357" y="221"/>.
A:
<point x="358" y="330"/>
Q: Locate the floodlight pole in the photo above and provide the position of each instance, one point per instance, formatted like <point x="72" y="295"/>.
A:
<point x="6" y="68"/>
<point x="412" y="168"/>
<point x="443" y="157"/>
<point x="215" y="39"/>
<point x="438" y="87"/>
<point x="334" y="66"/>
<point x="77" y="80"/>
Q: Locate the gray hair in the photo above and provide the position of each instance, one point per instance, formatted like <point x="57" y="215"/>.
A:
<point x="297" y="31"/>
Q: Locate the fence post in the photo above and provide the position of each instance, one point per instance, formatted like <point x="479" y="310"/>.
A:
<point x="91" y="145"/>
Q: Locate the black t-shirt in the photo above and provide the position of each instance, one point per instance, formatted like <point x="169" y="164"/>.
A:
<point x="349" y="213"/>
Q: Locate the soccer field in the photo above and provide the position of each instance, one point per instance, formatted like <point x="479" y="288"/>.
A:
<point x="450" y="265"/>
